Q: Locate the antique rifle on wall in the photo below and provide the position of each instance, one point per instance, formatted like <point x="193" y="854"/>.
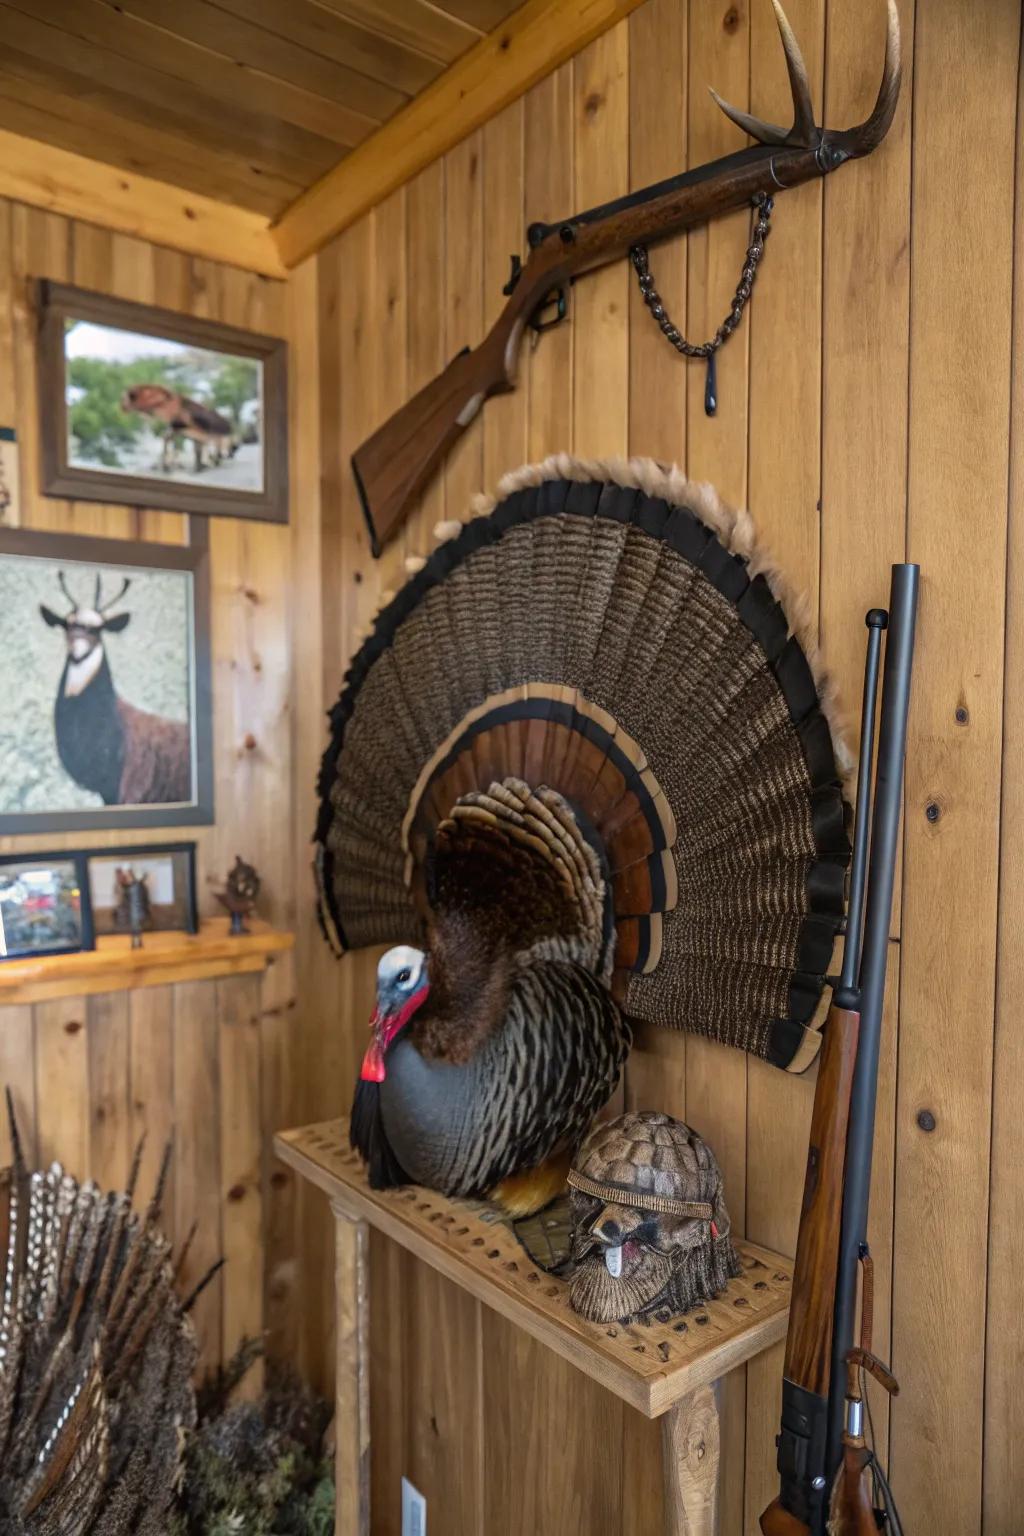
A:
<point x="393" y="465"/>
<point x="823" y="1367"/>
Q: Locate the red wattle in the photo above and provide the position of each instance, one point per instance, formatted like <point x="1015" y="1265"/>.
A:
<point x="373" y="1063"/>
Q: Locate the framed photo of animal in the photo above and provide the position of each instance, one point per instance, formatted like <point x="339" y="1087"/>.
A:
<point x="107" y="717"/>
<point x="158" y="409"/>
<point x="168" y="871"/>
<point x="44" y="905"/>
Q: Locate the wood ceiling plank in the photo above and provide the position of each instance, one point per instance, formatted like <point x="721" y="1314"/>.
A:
<point x="52" y="178"/>
<point x="106" y="23"/>
<point x="485" y="15"/>
<point x="147" y="96"/>
<point x="332" y="36"/>
<point x="34" y="106"/>
<point x="539" y="37"/>
<point x="255" y="48"/>
<point x="412" y="22"/>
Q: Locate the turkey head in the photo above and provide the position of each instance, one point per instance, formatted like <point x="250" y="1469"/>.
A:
<point x="584" y="765"/>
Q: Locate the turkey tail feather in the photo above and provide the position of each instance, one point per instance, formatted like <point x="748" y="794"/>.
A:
<point x="613" y="635"/>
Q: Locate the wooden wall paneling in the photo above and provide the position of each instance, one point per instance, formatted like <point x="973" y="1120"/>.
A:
<point x="961" y="284"/>
<point x="62" y="1085"/>
<point x="656" y="1072"/>
<point x="440" y="1325"/>
<point x="463" y="306"/>
<point x="108" y="1045"/>
<point x="865" y="365"/>
<point x="601" y="302"/>
<point x="716" y="450"/>
<point x="18" y="1072"/>
<point x="1003" y="1471"/>
<point x="504" y="230"/>
<point x="197" y="1154"/>
<point x="427" y="278"/>
<point x="151" y="1095"/>
<point x="40" y="247"/>
<point x="658" y="86"/>
<point x="784" y="464"/>
<point x="546" y="362"/>
<point x="241" y="1155"/>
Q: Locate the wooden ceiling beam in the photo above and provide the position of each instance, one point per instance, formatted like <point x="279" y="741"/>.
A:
<point x="62" y="182"/>
<point x="531" y="43"/>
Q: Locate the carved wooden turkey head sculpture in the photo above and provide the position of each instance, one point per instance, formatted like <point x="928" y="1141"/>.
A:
<point x="650" y="1231"/>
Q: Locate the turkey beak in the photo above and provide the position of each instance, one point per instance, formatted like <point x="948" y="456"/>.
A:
<point x="608" y="1233"/>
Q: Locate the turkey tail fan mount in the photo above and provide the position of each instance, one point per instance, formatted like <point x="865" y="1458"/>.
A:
<point x="96" y="1359"/>
<point x="582" y="772"/>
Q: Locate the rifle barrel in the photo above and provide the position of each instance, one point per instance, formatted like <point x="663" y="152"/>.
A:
<point x="892" y="738"/>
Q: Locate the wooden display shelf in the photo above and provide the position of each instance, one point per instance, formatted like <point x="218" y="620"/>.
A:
<point x="113" y="966"/>
<point x="665" y="1368"/>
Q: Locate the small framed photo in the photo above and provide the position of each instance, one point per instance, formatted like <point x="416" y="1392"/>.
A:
<point x="106" y="718"/>
<point x="169" y="872"/>
<point x="10" y="488"/>
<point x="158" y="409"/>
<point x="44" y="905"/>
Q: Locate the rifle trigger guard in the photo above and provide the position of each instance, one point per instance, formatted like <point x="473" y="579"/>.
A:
<point x="556" y="296"/>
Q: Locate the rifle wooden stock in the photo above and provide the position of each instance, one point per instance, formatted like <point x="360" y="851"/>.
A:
<point x="394" y="465"/>
<point x="809" y="1342"/>
<point x="808" y="1361"/>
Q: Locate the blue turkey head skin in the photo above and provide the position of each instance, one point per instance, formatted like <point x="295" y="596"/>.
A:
<point x="402" y="987"/>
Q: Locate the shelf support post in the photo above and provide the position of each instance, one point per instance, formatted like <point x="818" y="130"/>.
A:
<point x="690" y="1443"/>
<point x="352" y="1380"/>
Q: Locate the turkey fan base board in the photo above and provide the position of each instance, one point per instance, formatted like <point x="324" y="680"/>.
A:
<point x="651" y="1367"/>
<point x="612" y="633"/>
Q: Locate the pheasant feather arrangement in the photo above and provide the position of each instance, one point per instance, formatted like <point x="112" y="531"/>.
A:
<point x="96" y="1359"/>
<point x="582" y="772"/>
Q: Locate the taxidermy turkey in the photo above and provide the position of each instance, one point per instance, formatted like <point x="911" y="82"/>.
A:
<point x="96" y="1359"/>
<point x="582" y="773"/>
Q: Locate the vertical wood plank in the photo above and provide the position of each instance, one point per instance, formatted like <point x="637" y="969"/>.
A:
<point x="62" y="1084"/>
<point x="601" y="304"/>
<point x="657" y="149"/>
<point x="1003" y="1467"/>
<point x="238" y="1031"/>
<point x="18" y="1071"/>
<point x="547" y="361"/>
<point x="866" y="306"/>
<point x="961" y="284"/>
<point x="108" y="1083"/>
<point x="197" y="1155"/>
<point x="151" y="1093"/>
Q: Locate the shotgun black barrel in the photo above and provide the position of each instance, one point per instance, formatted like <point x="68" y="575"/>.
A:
<point x="885" y="824"/>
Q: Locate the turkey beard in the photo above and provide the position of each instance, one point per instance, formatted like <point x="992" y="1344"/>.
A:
<point x="595" y="1295"/>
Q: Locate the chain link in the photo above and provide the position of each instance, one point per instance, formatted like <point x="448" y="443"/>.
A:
<point x="763" y="205"/>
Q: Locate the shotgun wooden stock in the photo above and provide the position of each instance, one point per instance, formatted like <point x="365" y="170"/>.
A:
<point x="393" y="465"/>
<point x="809" y="1341"/>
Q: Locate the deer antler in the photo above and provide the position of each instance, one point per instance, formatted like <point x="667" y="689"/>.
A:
<point x="64" y="588"/>
<point x="805" y="133"/>
<point x="111" y="602"/>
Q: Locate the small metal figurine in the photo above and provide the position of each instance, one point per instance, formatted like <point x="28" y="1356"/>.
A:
<point x="650" y="1231"/>
<point x="134" y="910"/>
<point x="241" y="888"/>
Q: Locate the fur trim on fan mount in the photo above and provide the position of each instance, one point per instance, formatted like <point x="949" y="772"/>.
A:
<point x="591" y="730"/>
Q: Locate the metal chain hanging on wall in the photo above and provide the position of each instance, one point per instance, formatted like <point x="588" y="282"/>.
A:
<point x="763" y="205"/>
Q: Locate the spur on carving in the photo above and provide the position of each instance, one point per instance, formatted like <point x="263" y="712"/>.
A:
<point x="581" y="774"/>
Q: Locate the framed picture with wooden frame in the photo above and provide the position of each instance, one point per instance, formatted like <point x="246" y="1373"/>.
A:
<point x="107" y="718"/>
<point x="158" y="409"/>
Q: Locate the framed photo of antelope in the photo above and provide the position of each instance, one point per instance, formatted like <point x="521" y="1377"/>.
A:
<point x="157" y="409"/>
<point x="107" y="702"/>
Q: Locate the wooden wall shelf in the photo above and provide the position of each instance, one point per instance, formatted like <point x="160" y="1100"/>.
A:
<point x="664" y="1368"/>
<point x="113" y="966"/>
